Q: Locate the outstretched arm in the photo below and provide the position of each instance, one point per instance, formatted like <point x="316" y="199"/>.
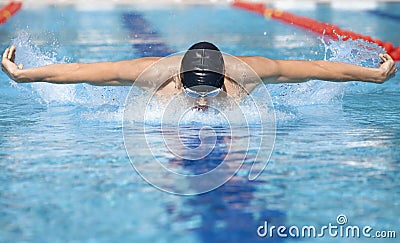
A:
<point x="280" y="71"/>
<point x="102" y="73"/>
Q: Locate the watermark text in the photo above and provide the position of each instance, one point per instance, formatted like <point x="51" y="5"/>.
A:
<point x="340" y="229"/>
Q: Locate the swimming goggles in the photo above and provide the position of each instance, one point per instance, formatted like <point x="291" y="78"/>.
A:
<point x="195" y="94"/>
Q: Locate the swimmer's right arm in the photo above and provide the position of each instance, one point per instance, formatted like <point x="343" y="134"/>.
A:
<point x="102" y="73"/>
<point x="295" y="71"/>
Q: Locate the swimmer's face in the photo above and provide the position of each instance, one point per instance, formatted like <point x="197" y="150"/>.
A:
<point x="201" y="95"/>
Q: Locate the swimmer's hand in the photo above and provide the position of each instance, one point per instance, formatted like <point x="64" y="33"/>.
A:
<point x="8" y="66"/>
<point x="387" y="69"/>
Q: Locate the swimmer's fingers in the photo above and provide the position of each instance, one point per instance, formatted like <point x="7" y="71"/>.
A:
<point x="11" y="54"/>
<point x="393" y="71"/>
<point x="392" y="65"/>
<point x="388" y="67"/>
<point x="4" y="58"/>
<point x="7" y="63"/>
<point x="383" y="57"/>
<point x="5" y="54"/>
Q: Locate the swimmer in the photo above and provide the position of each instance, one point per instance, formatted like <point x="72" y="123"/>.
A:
<point x="200" y="73"/>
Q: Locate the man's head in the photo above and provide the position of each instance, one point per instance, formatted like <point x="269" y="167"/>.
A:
<point x="202" y="70"/>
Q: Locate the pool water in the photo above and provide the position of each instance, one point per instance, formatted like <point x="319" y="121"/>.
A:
<point x="66" y="176"/>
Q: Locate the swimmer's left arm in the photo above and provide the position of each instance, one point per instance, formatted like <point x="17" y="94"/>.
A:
<point x="282" y="71"/>
<point x="100" y="73"/>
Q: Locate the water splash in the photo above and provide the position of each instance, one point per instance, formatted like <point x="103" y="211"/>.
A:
<point x="221" y="112"/>
<point x="316" y="92"/>
<point x="53" y="94"/>
<point x="108" y="102"/>
<point x="358" y="52"/>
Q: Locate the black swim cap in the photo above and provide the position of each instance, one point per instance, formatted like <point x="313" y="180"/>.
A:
<point x="202" y="68"/>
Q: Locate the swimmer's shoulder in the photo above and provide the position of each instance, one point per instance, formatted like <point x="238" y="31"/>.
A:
<point x="161" y="75"/>
<point x="171" y="86"/>
<point x="233" y="88"/>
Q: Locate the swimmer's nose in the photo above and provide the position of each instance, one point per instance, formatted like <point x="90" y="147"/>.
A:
<point x="202" y="102"/>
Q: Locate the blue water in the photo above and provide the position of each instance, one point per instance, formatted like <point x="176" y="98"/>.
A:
<point x="66" y="176"/>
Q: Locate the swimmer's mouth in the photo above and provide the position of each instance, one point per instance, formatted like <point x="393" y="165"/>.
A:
<point x="201" y="107"/>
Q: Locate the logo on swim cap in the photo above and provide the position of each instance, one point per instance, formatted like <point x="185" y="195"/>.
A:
<point x="203" y="66"/>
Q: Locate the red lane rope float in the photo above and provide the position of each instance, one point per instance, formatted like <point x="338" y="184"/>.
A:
<point x="316" y="26"/>
<point x="9" y="10"/>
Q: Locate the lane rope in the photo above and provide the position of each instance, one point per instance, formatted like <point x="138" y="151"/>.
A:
<point x="321" y="28"/>
<point x="9" y="10"/>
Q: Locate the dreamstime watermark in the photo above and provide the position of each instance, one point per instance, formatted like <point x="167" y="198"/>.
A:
<point x="340" y="229"/>
<point x="159" y="145"/>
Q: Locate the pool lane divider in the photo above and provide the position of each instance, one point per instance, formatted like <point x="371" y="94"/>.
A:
<point x="9" y="10"/>
<point x="147" y="40"/>
<point x="321" y="28"/>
